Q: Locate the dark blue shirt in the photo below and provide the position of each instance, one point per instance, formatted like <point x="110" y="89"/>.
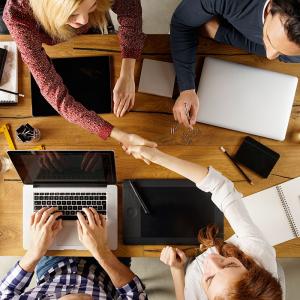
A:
<point x="241" y="26"/>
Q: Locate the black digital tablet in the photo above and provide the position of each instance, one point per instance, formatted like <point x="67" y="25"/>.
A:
<point x="88" y="80"/>
<point x="177" y="211"/>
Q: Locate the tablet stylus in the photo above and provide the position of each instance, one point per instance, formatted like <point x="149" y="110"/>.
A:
<point x="142" y="203"/>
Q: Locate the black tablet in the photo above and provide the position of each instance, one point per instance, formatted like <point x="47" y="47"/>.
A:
<point x="178" y="210"/>
<point x="88" y="80"/>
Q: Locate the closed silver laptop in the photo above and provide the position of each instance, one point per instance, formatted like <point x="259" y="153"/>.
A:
<point x="70" y="181"/>
<point x="246" y="99"/>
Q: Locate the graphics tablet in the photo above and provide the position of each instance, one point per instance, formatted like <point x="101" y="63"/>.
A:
<point x="178" y="210"/>
<point x="88" y="80"/>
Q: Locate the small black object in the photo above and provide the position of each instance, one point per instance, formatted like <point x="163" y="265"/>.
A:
<point x="256" y="156"/>
<point x="178" y="211"/>
<point x="3" y="56"/>
<point x="25" y="133"/>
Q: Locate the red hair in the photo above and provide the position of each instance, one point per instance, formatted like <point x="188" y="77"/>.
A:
<point x="257" y="283"/>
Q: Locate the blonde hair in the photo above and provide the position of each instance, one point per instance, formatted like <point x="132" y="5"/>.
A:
<point x="53" y="16"/>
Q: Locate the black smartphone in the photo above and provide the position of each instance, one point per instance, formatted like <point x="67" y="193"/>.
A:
<point x="256" y="156"/>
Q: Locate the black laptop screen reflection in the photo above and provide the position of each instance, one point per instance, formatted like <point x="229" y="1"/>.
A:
<point x="64" y="166"/>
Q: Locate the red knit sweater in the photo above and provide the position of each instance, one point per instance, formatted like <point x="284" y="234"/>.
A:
<point x="29" y="37"/>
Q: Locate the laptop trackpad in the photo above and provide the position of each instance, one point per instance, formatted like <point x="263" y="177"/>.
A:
<point x="68" y="235"/>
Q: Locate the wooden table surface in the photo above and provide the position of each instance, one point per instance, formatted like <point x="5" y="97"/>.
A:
<point x="152" y="119"/>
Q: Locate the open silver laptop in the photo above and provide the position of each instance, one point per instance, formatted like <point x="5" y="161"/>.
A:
<point x="69" y="180"/>
<point x="246" y="99"/>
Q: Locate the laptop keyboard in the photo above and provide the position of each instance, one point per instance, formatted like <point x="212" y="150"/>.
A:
<point x="70" y="203"/>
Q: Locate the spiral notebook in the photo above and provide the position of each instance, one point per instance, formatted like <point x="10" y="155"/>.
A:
<point x="9" y="79"/>
<point x="276" y="211"/>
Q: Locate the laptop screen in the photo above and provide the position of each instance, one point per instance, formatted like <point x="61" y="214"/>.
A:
<point x="64" y="166"/>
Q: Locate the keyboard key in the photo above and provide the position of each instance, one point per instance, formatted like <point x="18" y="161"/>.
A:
<point x="104" y="205"/>
<point x="44" y="203"/>
<point x="48" y="202"/>
<point x="60" y="208"/>
<point x="65" y="208"/>
<point x="58" y="202"/>
<point x="89" y="203"/>
<point x="37" y="202"/>
<point x="102" y="197"/>
<point x="74" y="208"/>
<point x="84" y="203"/>
<point x="67" y="213"/>
<point x="54" y="203"/>
<point x="79" y="208"/>
<point x="69" y="202"/>
<point x="72" y="213"/>
<point x="37" y="207"/>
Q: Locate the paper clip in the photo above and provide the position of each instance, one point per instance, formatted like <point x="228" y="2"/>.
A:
<point x="5" y="130"/>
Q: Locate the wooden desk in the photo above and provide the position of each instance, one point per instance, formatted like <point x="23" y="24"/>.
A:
<point x="59" y="134"/>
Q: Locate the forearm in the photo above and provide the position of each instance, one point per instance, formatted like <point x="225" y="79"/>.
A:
<point x="191" y="171"/>
<point x="119" y="274"/>
<point x="178" y="280"/>
<point x="127" y="68"/>
<point x="28" y="262"/>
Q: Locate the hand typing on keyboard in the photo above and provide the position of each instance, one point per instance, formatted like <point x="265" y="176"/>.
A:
<point x="92" y="232"/>
<point x="44" y="227"/>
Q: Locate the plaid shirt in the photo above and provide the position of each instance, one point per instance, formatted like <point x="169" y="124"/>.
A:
<point x="70" y="276"/>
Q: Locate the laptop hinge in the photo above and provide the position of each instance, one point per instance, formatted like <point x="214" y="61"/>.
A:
<point x="73" y="185"/>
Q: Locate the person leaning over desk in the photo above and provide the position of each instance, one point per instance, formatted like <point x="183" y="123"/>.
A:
<point x="33" y="22"/>
<point x="243" y="267"/>
<point x="71" y="278"/>
<point x="268" y="28"/>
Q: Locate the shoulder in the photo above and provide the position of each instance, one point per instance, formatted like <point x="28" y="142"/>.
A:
<point x="18" y="11"/>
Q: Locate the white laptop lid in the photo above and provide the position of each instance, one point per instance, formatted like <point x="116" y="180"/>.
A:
<point x="245" y="99"/>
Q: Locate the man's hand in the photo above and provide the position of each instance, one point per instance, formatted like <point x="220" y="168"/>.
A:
<point x="186" y="108"/>
<point x="210" y="28"/>
<point x="92" y="232"/>
<point x="44" y="228"/>
<point x="175" y="258"/>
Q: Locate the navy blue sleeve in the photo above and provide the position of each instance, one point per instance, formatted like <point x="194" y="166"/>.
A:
<point x="289" y="59"/>
<point x="186" y="20"/>
<point x="227" y="34"/>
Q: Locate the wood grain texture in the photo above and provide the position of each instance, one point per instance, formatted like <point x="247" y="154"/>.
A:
<point x="152" y="119"/>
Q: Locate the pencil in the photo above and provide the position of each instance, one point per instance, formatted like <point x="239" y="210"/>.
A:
<point x="10" y="92"/>
<point x="234" y="162"/>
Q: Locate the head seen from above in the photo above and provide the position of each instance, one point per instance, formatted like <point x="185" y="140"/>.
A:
<point x="61" y="18"/>
<point x="233" y="275"/>
<point x="281" y="32"/>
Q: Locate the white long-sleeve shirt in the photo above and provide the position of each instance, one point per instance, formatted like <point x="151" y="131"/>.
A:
<point x="247" y="236"/>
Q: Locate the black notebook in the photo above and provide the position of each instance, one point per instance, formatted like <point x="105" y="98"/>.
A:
<point x="88" y="80"/>
<point x="178" y="210"/>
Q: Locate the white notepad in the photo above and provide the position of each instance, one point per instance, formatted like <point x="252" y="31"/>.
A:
<point x="9" y="79"/>
<point x="276" y="211"/>
<point x="157" y="78"/>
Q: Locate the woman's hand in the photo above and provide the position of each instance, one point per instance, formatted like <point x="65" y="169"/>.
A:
<point x="147" y="154"/>
<point x="175" y="258"/>
<point x="124" y="95"/>
<point x="124" y="91"/>
<point x="92" y="232"/>
<point x="128" y="140"/>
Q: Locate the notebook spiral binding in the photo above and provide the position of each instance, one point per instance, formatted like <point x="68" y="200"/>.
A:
<point x="287" y="211"/>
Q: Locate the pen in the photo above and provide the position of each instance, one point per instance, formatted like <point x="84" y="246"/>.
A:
<point x="142" y="203"/>
<point x="238" y="167"/>
<point x="10" y="92"/>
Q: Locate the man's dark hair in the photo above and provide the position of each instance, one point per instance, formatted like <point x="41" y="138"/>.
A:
<point x="290" y="11"/>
